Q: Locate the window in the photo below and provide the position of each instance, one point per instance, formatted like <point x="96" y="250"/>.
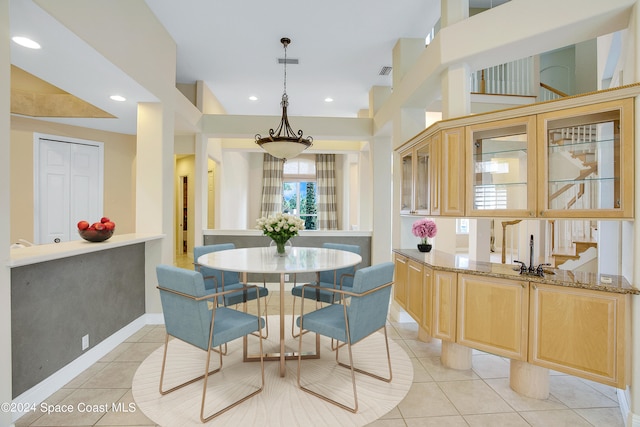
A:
<point x="299" y="190"/>
<point x="462" y="225"/>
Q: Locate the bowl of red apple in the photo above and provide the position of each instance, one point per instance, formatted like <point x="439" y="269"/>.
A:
<point x="98" y="231"/>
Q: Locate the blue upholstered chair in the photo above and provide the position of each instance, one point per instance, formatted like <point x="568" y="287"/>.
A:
<point x="218" y="281"/>
<point x="362" y="311"/>
<point x="334" y="279"/>
<point x="192" y="314"/>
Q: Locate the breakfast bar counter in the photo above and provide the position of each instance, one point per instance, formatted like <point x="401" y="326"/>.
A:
<point x="568" y="321"/>
<point x="575" y="279"/>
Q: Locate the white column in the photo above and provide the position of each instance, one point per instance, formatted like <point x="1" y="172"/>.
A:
<point x="365" y="178"/>
<point x="381" y="185"/>
<point x="529" y="380"/>
<point x="456" y="91"/>
<point x="453" y="11"/>
<point x="5" y="272"/>
<point x="480" y="239"/>
<point x="456" y="101"/>
<point x="201" y="188"/>
<point x="155" y="191"/>
<point x="445" y="240"/>
<point x="404" y="55"/>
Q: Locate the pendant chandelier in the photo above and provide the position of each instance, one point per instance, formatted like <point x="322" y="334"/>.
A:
<point x="283" y="143"/>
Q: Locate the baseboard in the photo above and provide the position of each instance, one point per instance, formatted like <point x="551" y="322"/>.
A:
<point x="631" y="419"/>
<point x="41" y="391"/>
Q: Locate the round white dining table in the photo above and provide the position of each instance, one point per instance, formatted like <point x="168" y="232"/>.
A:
<point x="265" y="260"/>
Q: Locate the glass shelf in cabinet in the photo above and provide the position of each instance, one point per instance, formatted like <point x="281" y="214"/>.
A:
<point x="502" y="153"/>
<point x="500" y="184"/>
<point x="554" y="146"/>
<point x="578" y="181"/>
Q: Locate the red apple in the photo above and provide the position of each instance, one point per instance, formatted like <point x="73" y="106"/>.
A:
<point x="83" y="225"/>
<point x="104" y="219"/>
<point x="109" y="225"/>
<point x="98" y="226"/>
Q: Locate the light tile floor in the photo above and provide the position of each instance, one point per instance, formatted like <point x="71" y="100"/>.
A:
<point x="439" y="396"/>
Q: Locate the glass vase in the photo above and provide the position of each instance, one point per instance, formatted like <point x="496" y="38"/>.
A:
<point x="281" y="248"/>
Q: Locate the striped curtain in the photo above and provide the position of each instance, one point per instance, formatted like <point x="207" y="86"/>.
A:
<point x="271" y="185"/>
<point x="326" y="183"/>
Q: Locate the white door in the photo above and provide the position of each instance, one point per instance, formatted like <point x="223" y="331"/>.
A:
<point x="69" y="186"/>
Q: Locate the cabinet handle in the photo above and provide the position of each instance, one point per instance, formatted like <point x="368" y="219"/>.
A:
<point x="534" y="287"/>
<point x="523" y="285"/>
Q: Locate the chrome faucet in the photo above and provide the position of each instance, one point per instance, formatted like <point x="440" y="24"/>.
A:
<point x="535" y="271"/>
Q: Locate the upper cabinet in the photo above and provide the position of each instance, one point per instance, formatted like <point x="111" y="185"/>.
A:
<point x="432" y="175"/>
<point x="586" y="164"/>
<point x="416" y="169"/>
<point x="571" y="158"/>
<point x="451" y="172"/>
<point x="500" y="164"/>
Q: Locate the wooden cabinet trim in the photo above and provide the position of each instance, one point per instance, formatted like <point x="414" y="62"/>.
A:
<point x="493" y="315"/>
<point x="593" y="322"/>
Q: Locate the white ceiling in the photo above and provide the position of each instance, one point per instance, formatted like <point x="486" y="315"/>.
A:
<point x="341" y="45"/>
<point x="233" y="47"/>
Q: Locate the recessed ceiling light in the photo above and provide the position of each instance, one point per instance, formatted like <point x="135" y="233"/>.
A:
<point x="253" y="98"/>
<point x="118" y="98"/>
<point x="26" y="42"/>
<point x="328" y="99"/>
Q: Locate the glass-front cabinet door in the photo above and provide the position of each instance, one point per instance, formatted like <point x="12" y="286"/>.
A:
<point x="587" y="161"/>
<point x="422" y="180"/>
<point x="406" y="190"/>
<point x="501" y="168"/>
<point x="414" y="193"/>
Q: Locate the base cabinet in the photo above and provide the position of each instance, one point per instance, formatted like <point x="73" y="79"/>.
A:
<point x="493" y="315"/>
<point x="579" y="332"/>
<point x="426" y="323"/>
<point x="400" y="280"/>
<point x="444" y="305"/>
<point x="415" y="290"/>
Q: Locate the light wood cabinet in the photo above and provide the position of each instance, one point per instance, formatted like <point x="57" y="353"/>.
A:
<point x="415" y="290"/>
<point x="501" y="163"/>
<point x="452" y="175"/>
<point x="426" y="323"/>
<point x="400" y="280"/>
<point x="572" y="158"/>
<point x="579" y="332"/>
<point x="444" y="305"/>
<point x="586" y="166"/>
<point x="493" y="315"/>
<point x="436" y="179"/>
<point x="415" y="196"/>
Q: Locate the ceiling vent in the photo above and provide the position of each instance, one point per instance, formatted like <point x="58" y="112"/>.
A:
<point x="385" y="71"/>
<point x="288" y="61"/>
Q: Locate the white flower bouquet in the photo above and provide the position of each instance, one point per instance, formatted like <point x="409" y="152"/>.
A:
<point x="280" y="227"/>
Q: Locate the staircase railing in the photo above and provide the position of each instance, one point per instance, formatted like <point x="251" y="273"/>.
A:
<point x="568" y="195"/>
<point x="512" y="78"/>
<point x="548" y="93"/>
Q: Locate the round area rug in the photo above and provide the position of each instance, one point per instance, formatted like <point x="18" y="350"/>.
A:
<point x="281" y="402"/>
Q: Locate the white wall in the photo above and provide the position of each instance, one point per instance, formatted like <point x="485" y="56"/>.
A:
<point x="234" y="185"/>
<point x="5" y="272"/>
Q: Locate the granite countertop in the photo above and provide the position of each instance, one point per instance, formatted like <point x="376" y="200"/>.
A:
<point x="575" y="279"/>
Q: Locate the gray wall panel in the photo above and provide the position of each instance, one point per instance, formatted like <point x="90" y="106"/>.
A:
<point x="55" y="303"/>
